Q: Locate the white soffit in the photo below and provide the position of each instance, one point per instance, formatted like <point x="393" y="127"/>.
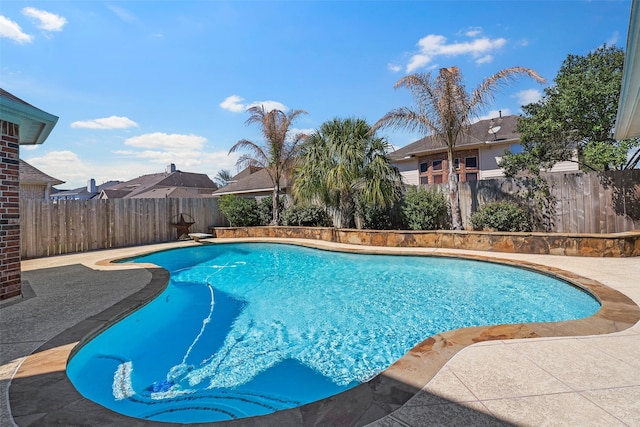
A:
<point x="35" y="124"/>
<point x="628" y="118"/>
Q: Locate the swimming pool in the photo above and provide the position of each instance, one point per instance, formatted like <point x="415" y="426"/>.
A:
<point x="248" y="329"/>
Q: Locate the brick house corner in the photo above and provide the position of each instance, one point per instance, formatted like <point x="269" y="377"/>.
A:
<point x="20" y="124"/>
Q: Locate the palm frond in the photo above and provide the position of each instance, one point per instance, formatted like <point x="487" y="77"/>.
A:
<point x="336" y="168"/>
<point x="486" y="90"/>
<point x="277" y="154"/>
<point x="257" y="153"/>
<point x="406" y="118"/>
<point x="442" y="109"/>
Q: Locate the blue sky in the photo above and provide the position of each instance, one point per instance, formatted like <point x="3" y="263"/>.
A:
<point x="142" y="84"/>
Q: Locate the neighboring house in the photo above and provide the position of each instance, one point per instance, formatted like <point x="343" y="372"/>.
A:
<point x="90" y="191"/>
<point x="35" y="184"/>
<point x="477" y="154"/>
<point x="251" y="182"/>
<point x="169" y="184"/>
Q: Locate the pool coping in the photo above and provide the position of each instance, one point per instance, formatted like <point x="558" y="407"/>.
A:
<point x="44" y="369"/>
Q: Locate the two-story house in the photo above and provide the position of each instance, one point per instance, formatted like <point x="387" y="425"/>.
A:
<point x="477" y="154"/>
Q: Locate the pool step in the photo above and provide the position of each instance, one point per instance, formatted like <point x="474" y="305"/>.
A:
<point x="229" y="405"/>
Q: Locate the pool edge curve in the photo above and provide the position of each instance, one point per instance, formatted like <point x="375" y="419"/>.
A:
<point x="360" y="405"/>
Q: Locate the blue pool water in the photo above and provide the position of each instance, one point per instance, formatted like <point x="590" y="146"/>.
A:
<point x="250" y="328"/>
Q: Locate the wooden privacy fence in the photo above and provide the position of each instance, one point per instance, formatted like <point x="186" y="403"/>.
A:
<point x="70" y="226"/>
<point x="580" y="203"/>
<point x="607" y="202"/>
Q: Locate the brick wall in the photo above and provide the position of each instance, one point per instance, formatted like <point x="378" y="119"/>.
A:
<point x="10" y="277"/>
<point x="440" y="175"/>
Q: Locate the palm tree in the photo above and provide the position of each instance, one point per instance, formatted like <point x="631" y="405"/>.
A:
<point x="343" y="162"/>
<point x="278" y="153"/>
<point x="223" y="177"/>
<point x="445" y="111"/>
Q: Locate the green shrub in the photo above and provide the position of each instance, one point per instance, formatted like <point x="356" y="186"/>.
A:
<point x="501" y="216"/>
<point x="374" y="217"/>
<point x="265" y="209"/>
<point x="424" y="209"/>
<point x="309" y="216"/>
<point x="240" y="212"/>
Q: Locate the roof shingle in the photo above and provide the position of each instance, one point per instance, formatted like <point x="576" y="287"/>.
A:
<point x="259" y="181"/>
<point x="478" y="133"/>
<point x="145" y="183"/>
<point x="32" y="175"/>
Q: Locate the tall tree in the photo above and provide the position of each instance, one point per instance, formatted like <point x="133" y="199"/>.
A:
<point x="576" y="115"/>
<point x="223" y="177"/>
<point x="444" y="109"/>
<point x="279" y="151"/>
<point x="342" y="163"/>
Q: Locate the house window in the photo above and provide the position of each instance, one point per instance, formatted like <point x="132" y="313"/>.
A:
<point x="471" y="177"/>
<point x="456" y="162"/>
<point x="437" y="179"/>
<point x="437" y="165"/>
<point x="471" y="162"/>
<point x="424" y="167"/>
<point x="424" y="180"/>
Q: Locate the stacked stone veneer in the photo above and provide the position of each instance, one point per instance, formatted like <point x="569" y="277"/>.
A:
<point x="597" y="245"/>
<point x="10" y="277"/>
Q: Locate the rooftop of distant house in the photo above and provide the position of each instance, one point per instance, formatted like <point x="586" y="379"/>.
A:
<point x="250" y="181"/>
<point x="31" y="175"/>
<point x="170" y="183"/>
<point x="488" y="131"/>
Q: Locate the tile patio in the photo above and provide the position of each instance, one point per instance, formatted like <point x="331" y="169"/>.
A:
<point x="578" y="378"/>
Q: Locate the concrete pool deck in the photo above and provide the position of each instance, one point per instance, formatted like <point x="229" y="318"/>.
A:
<point x="579" y="378"/>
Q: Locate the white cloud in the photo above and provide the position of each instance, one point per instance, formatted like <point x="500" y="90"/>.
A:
<point x="113" y="122"/>
<point x="186" y="160"/>
<point x="394" y="67"/>
<point x="45" y="20"/>
<point x="67" y="166"/>
<point x="613" y="40"/>
<point x="11" y="30"/>
<point x="187" y="152"/>
<point x="493" y="114"/>
<point x="269" y="105"/>
<point x="75" y="171"/>
<point x="473" y="31"/>
<point x="484" y="59"/>
<point x="183" y="159"/>
<point x="528" y="96"/>
<point x="417" y="61"/>
<point x="434" y="45"/>
<point x="235" y="104"/>
<point x="296" y="131"/>
<point x="162" y="157"/>
<point x="63" y="165"/>
<point x="172" y="142"/>
<point x="122" y="13"/>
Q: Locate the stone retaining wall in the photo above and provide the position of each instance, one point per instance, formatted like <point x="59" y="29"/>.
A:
<point x="592" y="245"/>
